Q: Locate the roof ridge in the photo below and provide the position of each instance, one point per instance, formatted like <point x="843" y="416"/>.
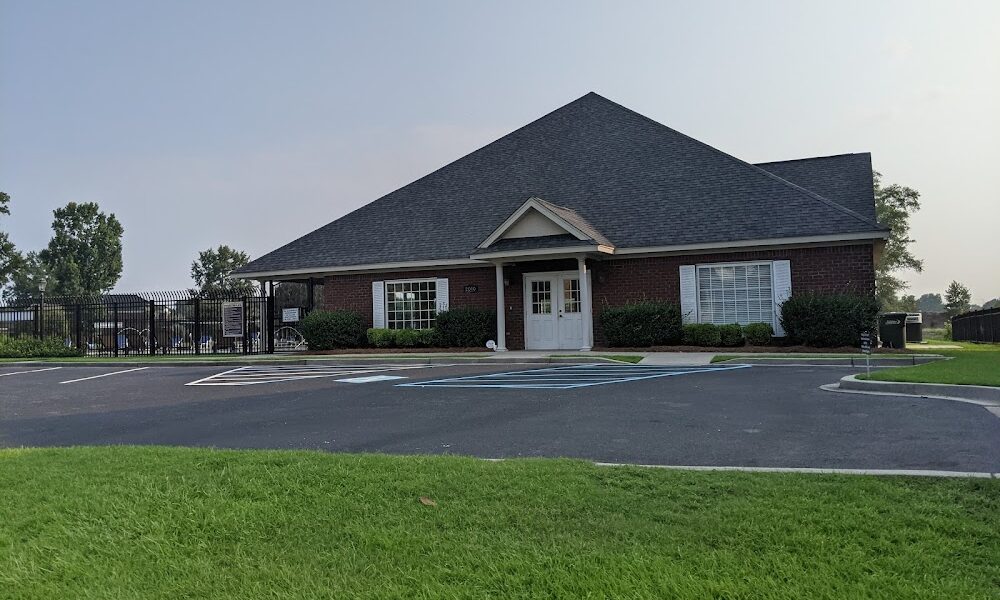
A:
<point x="773" y="162"/>
<point x="808" y="193"/>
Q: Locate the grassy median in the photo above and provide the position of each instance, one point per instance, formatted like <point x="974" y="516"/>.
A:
<point x="971" y="364"/>
<point x="172" y="523"/>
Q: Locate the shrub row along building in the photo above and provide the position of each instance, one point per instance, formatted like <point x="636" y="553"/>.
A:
<point x="594" y="205"/>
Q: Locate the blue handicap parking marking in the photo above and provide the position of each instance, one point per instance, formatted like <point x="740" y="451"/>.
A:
<point x="568" y="377"/>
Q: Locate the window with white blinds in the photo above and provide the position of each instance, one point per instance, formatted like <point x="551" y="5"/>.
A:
<point x="410" y="304"/>
<point x="735" y="293"/>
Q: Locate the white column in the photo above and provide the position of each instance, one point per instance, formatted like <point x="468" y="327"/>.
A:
<point x="588" y="313"/>
<point x="501" y="312"/>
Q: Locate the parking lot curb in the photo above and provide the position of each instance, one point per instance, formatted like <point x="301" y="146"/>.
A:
<point x="846" y="361"/>
<point x="333" y="360"/>
<point x="973" y="394"/>
<point x="817" y="470"/>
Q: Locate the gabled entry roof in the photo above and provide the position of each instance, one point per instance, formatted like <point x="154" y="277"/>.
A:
<point x="611" y="173"/>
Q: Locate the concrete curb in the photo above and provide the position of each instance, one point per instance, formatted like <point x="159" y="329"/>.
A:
<point x="335" y="360"/>
<point x="846" y="361"/>
<point x="974" y="394"/>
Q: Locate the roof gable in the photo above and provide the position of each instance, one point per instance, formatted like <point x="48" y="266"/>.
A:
<point x="538" y="218"/>
<point x="633" y="180"/>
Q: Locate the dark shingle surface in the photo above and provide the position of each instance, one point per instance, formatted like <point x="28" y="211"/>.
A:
<point x="542" y="242"/>
<point x="846" y="179"/>
<point x="637" y="182"/>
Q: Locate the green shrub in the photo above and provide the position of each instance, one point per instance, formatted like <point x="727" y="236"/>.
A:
<point x="731" y="335"/>
<point x="466" y="327"/>
<point x="407" y="338"/>
<point x="428" y="338"/>
<point x="642" y="324"/>
<point x="828" y="320"/>
<point x="381" y="338"/>
<point x="758" y="334"/>
<point x="702" y="334"/>
<point x="51" y="347"/>
<point x="330" y="329"/>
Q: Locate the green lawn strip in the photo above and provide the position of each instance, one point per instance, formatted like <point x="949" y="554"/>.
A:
<point x="974" y="364"/>
<point x="628" y="358"/>
<point x="173" y="522"/>
<point x="805" y="356"/>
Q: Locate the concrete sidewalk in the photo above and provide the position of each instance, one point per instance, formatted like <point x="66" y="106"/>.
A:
<point x="649" y="358"/>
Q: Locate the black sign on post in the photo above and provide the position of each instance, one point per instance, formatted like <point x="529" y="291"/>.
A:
<point x="866" y="349"/>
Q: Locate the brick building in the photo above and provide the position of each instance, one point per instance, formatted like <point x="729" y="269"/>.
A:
<point x="590" y="206"/>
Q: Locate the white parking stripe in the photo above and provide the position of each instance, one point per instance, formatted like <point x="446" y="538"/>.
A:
<point x="31" y="371"/>
<point x="565" y="378"/>
<point x="256" y="375"/>
<point x="105" y="375"/>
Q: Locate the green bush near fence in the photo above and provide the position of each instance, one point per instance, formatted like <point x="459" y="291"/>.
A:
<point x="828" y="320"/>
<point x="642" y="324"/>
<point x="333" y="329"/>
<point x="51" y="347"/>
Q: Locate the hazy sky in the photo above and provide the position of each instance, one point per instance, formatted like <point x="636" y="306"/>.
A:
<point x="251" y="123"/>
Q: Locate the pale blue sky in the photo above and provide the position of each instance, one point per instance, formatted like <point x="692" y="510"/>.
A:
<point x="251" y="123"/>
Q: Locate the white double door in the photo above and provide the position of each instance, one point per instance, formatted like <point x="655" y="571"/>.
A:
<point x="553" y="311"/>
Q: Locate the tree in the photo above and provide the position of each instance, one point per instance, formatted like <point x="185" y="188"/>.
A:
<point x="84" y="255"/>
<point x="29" y="271"/>
<point x="893" y="206"/>
<point x="907" y="303"/>
<point x="211" y="272"/>
<point x="957" y="298"/>
<point x="9" y="257"/>
<point x="994" y="303"/>
<point x="930" y="303"/>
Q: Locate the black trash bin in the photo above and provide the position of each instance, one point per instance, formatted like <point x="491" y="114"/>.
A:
<point x="892" y="330"/>
<point x="914" y="327"/>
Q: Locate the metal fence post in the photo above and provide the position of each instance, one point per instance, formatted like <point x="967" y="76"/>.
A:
<point x="36" y="322"/>
<point x="197" y="325"/>
<point x="78" y="330"/>
<point x="151" y="338"/>
<point x="246" y="322"/>
<point x="270" y="323"/>
<point x="114" y="326"/>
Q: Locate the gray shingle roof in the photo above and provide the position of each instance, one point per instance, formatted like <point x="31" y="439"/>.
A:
<point x="637" y="182"/>
<point x="846" y="178"/>
<point x="543" y="242"/>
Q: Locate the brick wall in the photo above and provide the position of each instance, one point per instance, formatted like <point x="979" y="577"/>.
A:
<point x="615" y="281"/>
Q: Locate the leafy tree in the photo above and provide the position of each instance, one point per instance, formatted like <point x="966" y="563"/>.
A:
<point x="84" y="255"/>
<point x="893" y="206"/>
<point x="930" y="303"/>
<point x="29" y="271"/>
<point x="9" y="257"/>
<point x="907" y="303"/>
<point x="211" y="272"/>
<point x="957" y="299"/>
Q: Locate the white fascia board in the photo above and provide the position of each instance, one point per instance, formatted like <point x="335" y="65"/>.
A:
<point x="532" y="203"/>
<point x="743" y="244"/>
<point x="393" y="266"/>
<point x="547" y="252"/>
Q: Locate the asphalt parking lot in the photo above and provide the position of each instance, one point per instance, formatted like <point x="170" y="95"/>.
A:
<point x="755" y="416"/>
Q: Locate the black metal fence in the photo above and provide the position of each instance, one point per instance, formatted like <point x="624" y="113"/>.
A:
<point x="977" y="326"/>
<point x="158" y="323"/>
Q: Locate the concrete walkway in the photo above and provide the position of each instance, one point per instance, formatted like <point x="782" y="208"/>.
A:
<point x="649" y="358"/>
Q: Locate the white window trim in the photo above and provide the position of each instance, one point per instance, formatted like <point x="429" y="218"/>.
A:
<point x="385" y="292"/>
<point x="739" y="263"/>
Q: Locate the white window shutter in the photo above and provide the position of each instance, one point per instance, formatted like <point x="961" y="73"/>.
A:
<point x="442" y="295"/>
<point x="689" y="294"/>
<point x="781" y="289"/>
<point x="378" y="304"/>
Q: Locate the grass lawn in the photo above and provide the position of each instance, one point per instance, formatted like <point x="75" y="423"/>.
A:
<point x="172" y="523"/>
<point x="805" y="356"/>
<point x="617" y="357"/>
<point x="972" y="364"/>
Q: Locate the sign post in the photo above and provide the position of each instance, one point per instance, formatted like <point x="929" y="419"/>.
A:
<point x="866" y="349"/>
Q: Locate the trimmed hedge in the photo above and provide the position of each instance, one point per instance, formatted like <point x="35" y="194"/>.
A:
<point x="466" y="327"/>
<point x="702" y="334"/>
<point x="402" y="338"/>
<point x="642" y="324"/>
<point x="331" y="329"/>
<point x="51" y="347"/>
<point x="758" y="334"/>
<point x="731" y="335"/>
<point x="828" y="320"/>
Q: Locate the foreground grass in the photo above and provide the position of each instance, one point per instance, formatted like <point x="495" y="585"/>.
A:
<point x="171" y="523"/>
<point x="973" y="364"/>
<point x="806" y="356"/>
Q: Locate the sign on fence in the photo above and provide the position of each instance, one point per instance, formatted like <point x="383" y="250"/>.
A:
<point x="290" y="315"/>
<point x="232" y="319"/>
